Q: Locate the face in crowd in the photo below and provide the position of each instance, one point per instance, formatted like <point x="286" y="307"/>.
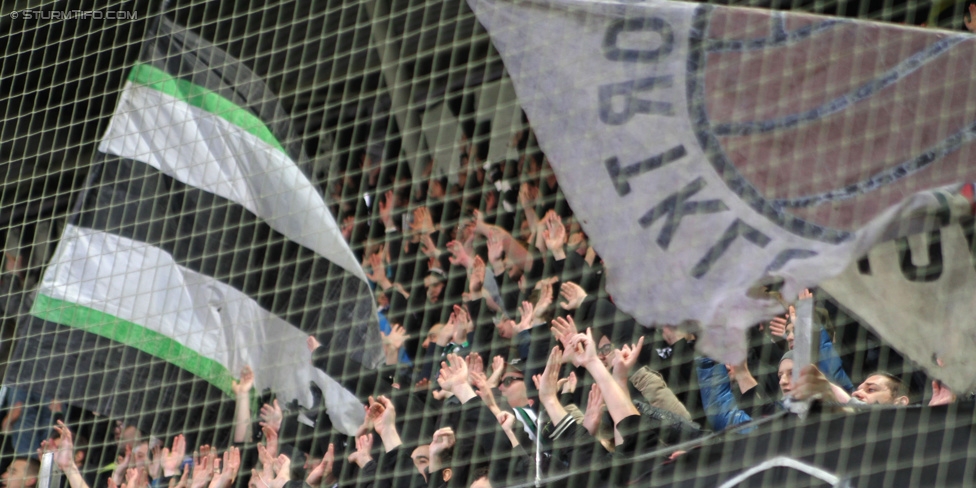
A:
<point x="604" y="350"/>
<point x="785" y="373"/>
<point x="18" y="475"/>
<point x="513" y="389"/>
<point x="876" y="389"/>
<point x="435" y="288"/>
<point x="506" y="328"/>
<point x="880" y="389"/>
<point x="421" y="458"/>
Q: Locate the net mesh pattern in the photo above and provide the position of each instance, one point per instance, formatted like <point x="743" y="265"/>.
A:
<point x="176" y="215"/>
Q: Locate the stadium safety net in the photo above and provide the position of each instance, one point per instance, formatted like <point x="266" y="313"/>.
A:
<point x="488" y="243"/>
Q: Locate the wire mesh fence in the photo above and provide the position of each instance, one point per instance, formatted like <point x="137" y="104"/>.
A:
<point x="405" y="243"/>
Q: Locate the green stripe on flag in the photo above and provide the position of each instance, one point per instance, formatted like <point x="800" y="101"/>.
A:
<point x="132" y="335"/>
<point x="204" y="99"/>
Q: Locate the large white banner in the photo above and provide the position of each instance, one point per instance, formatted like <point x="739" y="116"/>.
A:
<point x="709" y="150"/>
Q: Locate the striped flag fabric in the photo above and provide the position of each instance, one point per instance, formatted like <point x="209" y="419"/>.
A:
<point x="199" y="246"/>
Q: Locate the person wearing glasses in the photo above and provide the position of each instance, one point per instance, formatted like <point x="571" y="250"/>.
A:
<point x="641" y="382"/>
<point x="513" y="388"/>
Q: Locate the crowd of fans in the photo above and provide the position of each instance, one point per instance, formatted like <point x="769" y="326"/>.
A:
<point x="506" y="359"/>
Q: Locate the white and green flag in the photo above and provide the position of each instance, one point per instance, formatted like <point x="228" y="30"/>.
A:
<point x="200" y="246"/>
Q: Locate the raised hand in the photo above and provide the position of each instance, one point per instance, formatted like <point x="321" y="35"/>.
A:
<point x="265" y="476"/>
<point x="63" y="449"/>
<point x="422" y="223"/>
<point x="385" y="423"/>
<point x="118" y="476"/>
<point x="463" y="319"/>
<point x="497" y="369"/>
<point x="476" y="276"/>
<point x="443" y="440"/>
<point x="552" y="280"/>
<point x="374" y="410"/>
<point x="215" y="481"/>
<point x="323" y="470"/>
<point x="453" y="373"/>
<point x="777" y="327"/>
<point x="244" y="385"/>
<point x="377" y="266"/>
<point x="547" y="382"/>
<point x="584" y="349"/>
<point x="155" y="462"/>
<point x="568" y="384"/>
<point x="594" y="410"/>
<point x="270" y="439"/>
<point x="283" y="472"/>
<point x="267" y="463"/>
<point x="564" y="329"/>
<point x="573" y="294"/>
<point x="625" y="360"/>
<point x="446" y="333"/>
<point x="362" y="455"/>
<point x="271" y="415"/>
<point x="230" y="467"/>
<point x="495" y="252"/>
<point x="525" y="321"/>
<point x="382" y="415"/>
<point x="428" y="247"/>
<point x="555" y="234"/>
<point x="812" y="384"/>
<point x="545" y="300"/>
<point x="367" y="425"/>
<point x="374" y="262"/>
<point x="387" y="205"/>
<point x="203" y="468"/>
<point x="172" y="459"/>
<point x="459" y="256"/>
<point x="475" y="364"/>
<point x="135" y="478"/>
<point x="507" y="420"/>
<point x="480" y="383"/>
<point x="396" y="337"/>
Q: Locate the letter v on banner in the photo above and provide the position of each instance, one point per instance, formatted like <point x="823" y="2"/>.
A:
<point x="144" y="276"/>
<point x="647" y="94"/>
